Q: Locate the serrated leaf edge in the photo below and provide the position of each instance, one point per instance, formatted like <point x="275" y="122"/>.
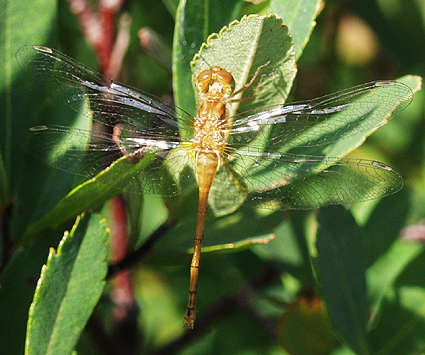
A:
<point x="44" y="268"/>
<point x="228" y="27"/>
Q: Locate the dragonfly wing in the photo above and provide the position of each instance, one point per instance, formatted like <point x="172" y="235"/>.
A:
<point x="137" y="117"/>
<point x="110" y="102"/>
<point x="144" y="125"/>
<point x="83" y="153"/>
<point x="73" y="150"/>
<point x="56" y="68"/>
<point x="323" y="120"/>
<point x="292" y="181"/>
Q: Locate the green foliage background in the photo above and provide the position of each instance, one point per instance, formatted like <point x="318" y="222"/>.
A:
<point x="369" y="279"/>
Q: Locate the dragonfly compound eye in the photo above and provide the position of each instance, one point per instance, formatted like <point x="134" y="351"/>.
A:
<point x="215" y="75"/>
<point x="204" y="80"/>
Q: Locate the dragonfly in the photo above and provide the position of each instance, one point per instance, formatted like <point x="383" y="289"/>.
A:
<point x="256" y="156"/>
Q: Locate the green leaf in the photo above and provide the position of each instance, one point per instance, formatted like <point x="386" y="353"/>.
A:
<point x="241" y="48"/>
<point x="228" y="192"/>
<point x="195" y="20"/>
<point x="306" y="319"/>
<point x="134" y="198"/>
<point x="387" y="254"/>
<point x="401" y="326"/>
<point x="357" y="129"/>
<point x="284" y="248"/>
<point x="289" y="248"/>
<point x="69" y="287"/>
<point x="342" y="275"/>
<point x="90" y="194"/>
<point x="383" y="273"/>
<point x="20" y="106"/>
<point x="257" y="7"/>
<point x="384" y="225"/>
<point x="37" y="194"/>
<point x="171" y="6"/>
<point x="15" y="33"/>
<point x="154" y="214"/>
<point x="299" y="16"/>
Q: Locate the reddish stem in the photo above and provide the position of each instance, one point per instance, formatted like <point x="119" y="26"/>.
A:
<point x="104" y="47"/>
<point x="122" y="293"/>
<point x="99" y="29"/>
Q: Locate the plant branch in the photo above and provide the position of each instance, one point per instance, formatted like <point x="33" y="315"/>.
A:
<point x="134" y="257"/>
<point x="120" y="47"/>
<point x="98" y="27"/>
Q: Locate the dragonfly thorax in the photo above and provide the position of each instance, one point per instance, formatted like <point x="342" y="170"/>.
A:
<point x="208" y="132"/>
<point x="214" y="85"/>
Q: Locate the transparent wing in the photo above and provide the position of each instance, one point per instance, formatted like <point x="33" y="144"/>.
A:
<point x="301" y="181"/>
<point x="263" y="149"/>
<point x="84" y="153"/>
<point x="320" y="121"/>
<point x="145" y="124"/>
<point x="73" y="150"/>
<point x="110" y="102"/>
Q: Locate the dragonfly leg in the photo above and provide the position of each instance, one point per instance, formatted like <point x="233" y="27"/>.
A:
<point x="249" y="84"/>
<point x="132" y="157"/>
<point x="116" y="133"/>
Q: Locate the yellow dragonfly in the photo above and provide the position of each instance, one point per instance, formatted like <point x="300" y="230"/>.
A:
<point x="231" y="158"/>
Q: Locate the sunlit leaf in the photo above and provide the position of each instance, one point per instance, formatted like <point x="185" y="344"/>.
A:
<point x="195" y="20"/>
<point x="299" y="16"/>
<point x="69" y="287"/>
<point x="90" y="194"/>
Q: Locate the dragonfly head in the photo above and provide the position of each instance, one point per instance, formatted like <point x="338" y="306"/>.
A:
<point x="215" y="81"/>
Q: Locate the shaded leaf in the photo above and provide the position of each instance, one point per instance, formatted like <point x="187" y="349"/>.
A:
<point x="16" y="33"/>
<point x="384" y="224"/>
<point x="401" y="326"/>
<point x="289" y="248"/>
<point x="19" y="109"/>
<point x="154" y="215"/>
<point x="383" y="273"/>
<point x="387" y="254"/>
<point x="342" y="275"/>
<point x="306" y="319"/>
